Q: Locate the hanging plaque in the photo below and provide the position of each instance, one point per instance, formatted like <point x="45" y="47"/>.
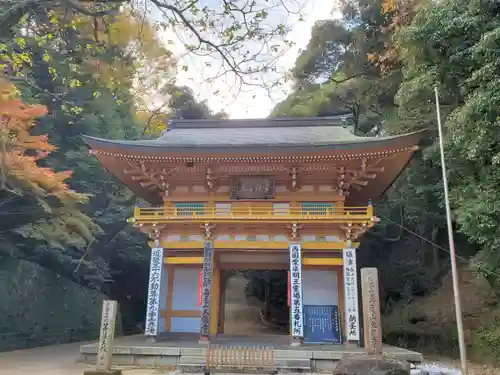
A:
<point x="296" y="317"/>
<point x="206" y="287"/>
<point x="351" y="295"/>
<point x="155" y="271"/>
<point x="252" y="187"/>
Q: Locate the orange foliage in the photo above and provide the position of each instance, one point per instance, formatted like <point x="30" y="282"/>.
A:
<point x="399" y="13"/>
<point x="388" y="6"/>
<point x="20" y="151"/>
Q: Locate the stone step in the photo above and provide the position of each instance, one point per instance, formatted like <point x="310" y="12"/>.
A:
<point x="191" y="359"/>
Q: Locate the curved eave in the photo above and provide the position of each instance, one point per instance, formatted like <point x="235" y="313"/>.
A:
<point x="159" y="148"/>
<point x="392" y="152"/>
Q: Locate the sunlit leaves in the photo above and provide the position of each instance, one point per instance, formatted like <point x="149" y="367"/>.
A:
<point x="20" y="151"/>
<point x="388" y="6"/>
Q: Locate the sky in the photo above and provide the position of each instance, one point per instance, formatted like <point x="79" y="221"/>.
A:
<point x="250" y="101"/>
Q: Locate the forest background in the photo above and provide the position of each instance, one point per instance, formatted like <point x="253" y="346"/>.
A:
<point x="89" y="67"/>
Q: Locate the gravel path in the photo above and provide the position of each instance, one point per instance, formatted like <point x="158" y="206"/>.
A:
<point x="450" y="367"/>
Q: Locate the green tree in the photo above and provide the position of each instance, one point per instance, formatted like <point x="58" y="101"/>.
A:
<point x="463" y="59"/>
<point x="242" y="37"/>
<point x="366" y="72"/>
<point x="86" y="82"/>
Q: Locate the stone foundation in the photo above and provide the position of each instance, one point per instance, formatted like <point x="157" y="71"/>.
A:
<point x="190" y="356"/>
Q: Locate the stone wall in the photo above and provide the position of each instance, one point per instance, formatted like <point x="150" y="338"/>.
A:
<point x="38" y="307"/>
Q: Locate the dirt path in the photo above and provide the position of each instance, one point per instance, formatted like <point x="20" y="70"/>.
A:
<point x="53" y="360"/>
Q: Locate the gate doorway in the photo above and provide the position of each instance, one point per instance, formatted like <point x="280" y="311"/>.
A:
<point x="254" y="302"/>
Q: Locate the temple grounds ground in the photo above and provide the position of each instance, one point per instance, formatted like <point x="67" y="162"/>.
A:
<point x="54" y="360"/>
<point x="61" y="360"/>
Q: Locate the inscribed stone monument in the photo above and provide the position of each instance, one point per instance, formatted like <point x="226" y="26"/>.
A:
<point x="106" y="336"/>
<point x="371" y="310"/>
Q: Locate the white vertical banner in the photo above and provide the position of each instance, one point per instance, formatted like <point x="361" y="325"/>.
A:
<point x="296" y="316"/>
<point x="351" y="313"/>
<point x="155" y="273"/>
<point x="206" y="289"/>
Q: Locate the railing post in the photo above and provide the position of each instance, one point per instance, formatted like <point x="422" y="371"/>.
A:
<point x="369" y="210"/>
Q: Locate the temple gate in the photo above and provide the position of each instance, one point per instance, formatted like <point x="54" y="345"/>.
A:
<point x="289" y="194"/>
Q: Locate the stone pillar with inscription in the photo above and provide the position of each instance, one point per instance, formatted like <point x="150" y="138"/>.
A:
<point x="371" y="311"/>
<point x="351" y="300"/>
<point x="206" y="287"/>
<point x="296" y="314"/>
<point x="106" y="337"/>
<point x="153" y="303"/>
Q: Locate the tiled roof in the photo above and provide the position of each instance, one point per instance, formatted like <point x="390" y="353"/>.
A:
<point x="209" y="134"/>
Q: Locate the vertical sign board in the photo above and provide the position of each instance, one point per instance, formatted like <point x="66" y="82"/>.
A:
<point x="296" y="318"/>
<point x="351" y="312"/>
<point x="106" y="335"/>
<point x="206" y="288"/>
<point x="155" y="272"/>
<point x="371" y="310"/>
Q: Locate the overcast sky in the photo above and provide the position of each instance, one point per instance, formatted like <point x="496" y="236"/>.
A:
<point x="251" y="102"/>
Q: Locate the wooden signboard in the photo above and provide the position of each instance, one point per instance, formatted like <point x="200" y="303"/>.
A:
<point x="321" y="324"/>
<point x="252" y="187"/>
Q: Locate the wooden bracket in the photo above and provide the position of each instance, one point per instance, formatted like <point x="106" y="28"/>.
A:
<point x="207" y="229"/>
<point x="294" y="231"/>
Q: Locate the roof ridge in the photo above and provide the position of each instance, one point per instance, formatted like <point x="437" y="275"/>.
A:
<point x="336" y="120"/>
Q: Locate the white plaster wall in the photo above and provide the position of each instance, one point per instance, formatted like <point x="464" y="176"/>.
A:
<point x="163" y="299"/>
<point x="185" y="297"/>
<point x="306" y="188"/>
<point x="320" y="287"/>
<point x="199" y="189"/>
<point x="281" y="208"/>
<point x="222" y="208"/>
<point x="185" y="292"/>
<point x="185" y="325"/>
<point x="255" y="256"/>
<point x="173" y="237"/>
<point x="325" y="188"/>
<point x="280" y="189"/>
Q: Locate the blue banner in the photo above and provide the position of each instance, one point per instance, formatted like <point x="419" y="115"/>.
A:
<point x="322" y="324"/>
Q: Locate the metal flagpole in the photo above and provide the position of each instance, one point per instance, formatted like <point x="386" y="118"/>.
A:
<point x="453" y="259"/>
